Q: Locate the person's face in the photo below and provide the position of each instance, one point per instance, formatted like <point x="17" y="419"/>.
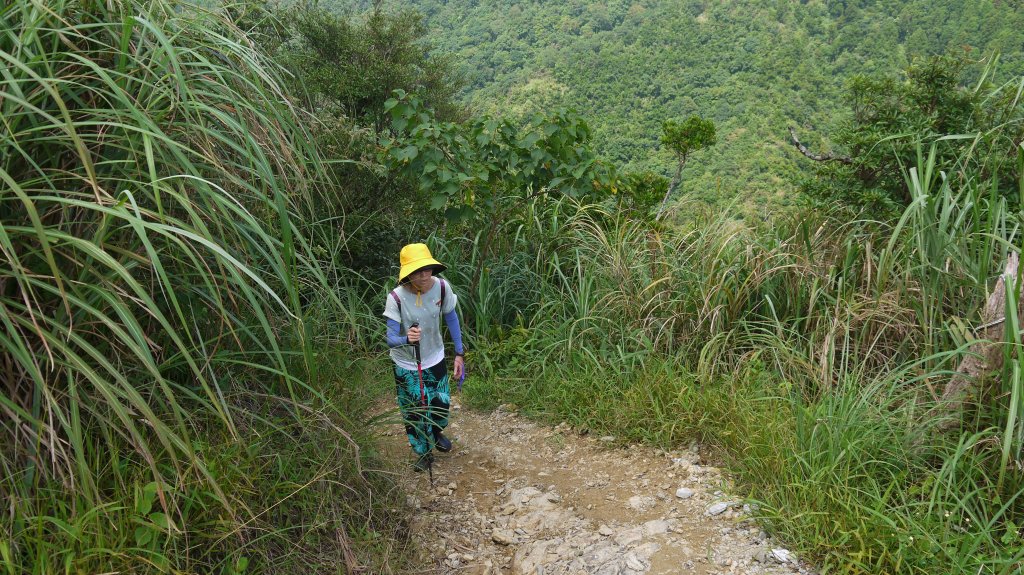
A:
<point x="420" y="279"/>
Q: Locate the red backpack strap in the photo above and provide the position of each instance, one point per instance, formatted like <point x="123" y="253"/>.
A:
<point x="398" y="300"/>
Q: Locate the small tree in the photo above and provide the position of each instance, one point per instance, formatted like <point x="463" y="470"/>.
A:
<point x="350" y="67"/>
<point x="682" y="139"/>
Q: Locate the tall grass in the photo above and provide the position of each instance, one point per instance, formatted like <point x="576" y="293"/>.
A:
<point x="155" y="298"/>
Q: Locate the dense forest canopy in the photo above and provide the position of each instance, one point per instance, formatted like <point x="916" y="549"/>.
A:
<point x="753" y="67"/>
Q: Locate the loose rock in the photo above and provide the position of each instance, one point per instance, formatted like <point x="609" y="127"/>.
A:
<point x="641" y="502"/>
<point x="781" y="555"/>
<point x="503" y="537"/>
<point x="717" y="509"/>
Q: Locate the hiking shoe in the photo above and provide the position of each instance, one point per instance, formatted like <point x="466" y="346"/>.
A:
<point x="423" y="463"/>
<point x="442" y="443"/>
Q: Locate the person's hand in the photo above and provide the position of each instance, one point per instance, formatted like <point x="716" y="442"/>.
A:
<point x="460" y="370"/>
<point x="413" y="334"/>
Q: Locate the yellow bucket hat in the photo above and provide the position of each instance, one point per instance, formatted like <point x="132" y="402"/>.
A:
<point x="415" y="257"/>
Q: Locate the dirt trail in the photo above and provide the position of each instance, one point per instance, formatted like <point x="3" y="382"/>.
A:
<point x="515" y="497"/>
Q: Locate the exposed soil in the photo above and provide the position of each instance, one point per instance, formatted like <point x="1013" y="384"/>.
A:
<point x="516" y="497"/>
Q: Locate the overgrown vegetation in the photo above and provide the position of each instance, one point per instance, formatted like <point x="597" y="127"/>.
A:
<point x="814" y="354"/>
<point x="343" y="71"/>
<point x="200" y="222"/>
<point x="168" y="404"/>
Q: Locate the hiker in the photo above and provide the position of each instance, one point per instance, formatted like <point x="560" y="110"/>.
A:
<point x="414" y="310"/>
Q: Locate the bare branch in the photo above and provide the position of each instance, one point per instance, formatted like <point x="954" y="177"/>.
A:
<point x="829" y="157"/>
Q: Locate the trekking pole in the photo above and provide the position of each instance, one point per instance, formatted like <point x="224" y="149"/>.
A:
<point x="423" y="401"/>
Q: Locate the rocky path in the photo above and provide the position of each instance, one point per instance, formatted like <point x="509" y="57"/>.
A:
<point x="515" y="497"/>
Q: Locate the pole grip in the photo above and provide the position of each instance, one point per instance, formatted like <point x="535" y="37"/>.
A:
<point x="417" y="344"/>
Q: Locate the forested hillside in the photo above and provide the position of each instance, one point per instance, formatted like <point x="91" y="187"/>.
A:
<point x="754" y="67"/>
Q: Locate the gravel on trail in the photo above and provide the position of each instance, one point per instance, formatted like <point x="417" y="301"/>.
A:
<point x="515" y="497"/>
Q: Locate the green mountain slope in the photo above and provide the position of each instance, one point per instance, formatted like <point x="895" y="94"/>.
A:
<point x="755" y="68"/>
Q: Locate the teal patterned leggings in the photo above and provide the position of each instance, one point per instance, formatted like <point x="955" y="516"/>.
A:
<point x="423" y="421"/>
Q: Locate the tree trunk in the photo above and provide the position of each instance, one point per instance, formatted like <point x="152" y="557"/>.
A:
<point x="671" y="187"/>
<point x="986" y="354"/>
